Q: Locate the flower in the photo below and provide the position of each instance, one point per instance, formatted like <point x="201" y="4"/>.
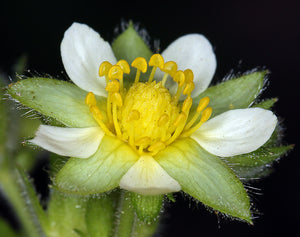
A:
<point x="151" y="137"/>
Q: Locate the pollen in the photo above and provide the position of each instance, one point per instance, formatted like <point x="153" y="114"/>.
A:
<point x="146" y="115"/>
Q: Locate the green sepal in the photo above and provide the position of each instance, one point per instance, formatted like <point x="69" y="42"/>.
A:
<point x="257" y="163"/>
<point x="266" y="104"/>
<point x="237" y="93"/>
<point x="61" y="100"/>
<point x="99" y="216"/>
<point x="206" y="178"/>
<point x="128" y="46"/>
<point x="147" y="208"/>
<point x="99" y="173"/>
<point x="66" y="215"/>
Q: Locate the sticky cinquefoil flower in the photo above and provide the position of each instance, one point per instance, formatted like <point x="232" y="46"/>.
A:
<point x="150" y="136"/>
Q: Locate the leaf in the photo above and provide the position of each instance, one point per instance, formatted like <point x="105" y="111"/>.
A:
<point x="237" y="93"/>
<point x="147" y="208"/>
<point x="99" y="173"/>
<point x="206" y="178"/>
<point x="58" y="99"/>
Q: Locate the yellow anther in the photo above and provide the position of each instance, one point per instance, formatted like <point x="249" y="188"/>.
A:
<point x="163" y="120"/>
<point x="187" y="104"/>
<point x="179" y="77"/>
<point x="116" y="98"/>
<point x="206" y="114"/>
<point x="90" y="99"/>
<point x="201" y="106"/>
<point x="144" y="141"/>
<point x="189" y="88"/>
<point x="140" y="63"/>
<point x="170" y="68"/>
<point x="156" y="60"/>
<point x="189" y="75"/>
<point x="124" y="65"/>
<point x="96" y="112"/>
<point x="115" y="72"/>
<point x="134" y="115"/>
<point x="156" y="147"/>
<point x="113" y="86"/>
<point x="202" y="103"/>
<point x="181" y="118"/>
<point x="104" y="68"/>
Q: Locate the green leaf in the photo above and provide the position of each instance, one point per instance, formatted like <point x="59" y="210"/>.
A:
<point x="99" y="173"/>
<point x="100" y="216"/>
<point x="128" y="46"/>
<point x="58" y="99"/>
<point x="237" y="93"/>
<point x="206" y="178"/>
<point x="147" y="208"/>
<point x="266" y="104"/>
<point x="256" y="164"/>
<point x="66" y="214"/>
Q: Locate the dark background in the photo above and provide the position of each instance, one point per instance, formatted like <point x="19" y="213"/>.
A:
<point x="245" y="34"/>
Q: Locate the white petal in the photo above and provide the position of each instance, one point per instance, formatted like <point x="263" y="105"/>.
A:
<point x="82" y="52"/>
<point x="195" y="52"/>
<point x="147" y="177"/>
<point x="75" y="142"/>
<point x="236" y="132"/>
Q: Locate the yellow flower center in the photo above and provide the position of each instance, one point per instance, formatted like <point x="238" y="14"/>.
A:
<point x="147" y="116"/>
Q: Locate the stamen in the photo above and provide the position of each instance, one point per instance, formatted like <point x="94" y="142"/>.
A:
<point x="179" y="124"/>
<point x="205" y="116"/>
<point x="140" y="64"/>
<point x="90" y="99"/>
<point x="156" y="147"/>
<point x="116" y="99"/>
<point x="187" y="104"/>
<point x="156" y="61"/>
<point x="179" y="77"/>
<point x="125" y="68"/>
<point x="189" y="75"/>
<point x="169" y="68"/>
<point x="189" y="87"/>
<point x="115" y="72"/>
<point x="98" y="117"/>
<point x="103" y="70"/>
<point x="202" y="104"/>
<point x="143" y="143"/>
<point x="113" y="86"/>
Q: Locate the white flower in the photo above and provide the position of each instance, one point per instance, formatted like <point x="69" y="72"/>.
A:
<point x="126" y="162"/>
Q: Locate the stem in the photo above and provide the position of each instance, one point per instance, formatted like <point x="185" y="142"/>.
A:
<point x="127" y="224"/>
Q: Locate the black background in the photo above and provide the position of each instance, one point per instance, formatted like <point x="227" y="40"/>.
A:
<point x="245" y="34"/>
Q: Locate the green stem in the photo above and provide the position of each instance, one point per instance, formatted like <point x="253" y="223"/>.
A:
<point x="128" y="225"/>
